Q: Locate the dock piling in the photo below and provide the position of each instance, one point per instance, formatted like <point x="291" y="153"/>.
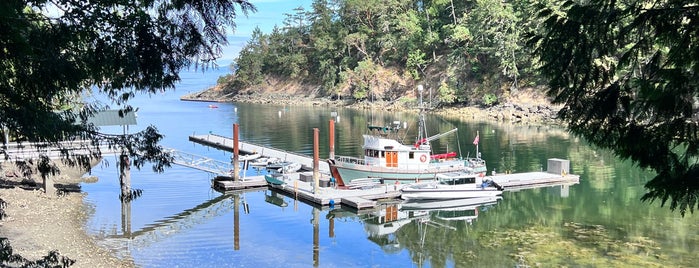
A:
<point x="316" y="173"/>
<point x="331" y="138"/>
<point x="236" y="153"/>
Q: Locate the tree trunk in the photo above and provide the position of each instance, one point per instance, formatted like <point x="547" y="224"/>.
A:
<point x="125" y="175"/>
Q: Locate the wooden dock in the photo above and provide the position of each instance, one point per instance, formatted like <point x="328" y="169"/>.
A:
<point x="358" y="199"/>
<point x="528" y="180"/>
<point x="226" y="184"/>
<point x="226" y="144"/>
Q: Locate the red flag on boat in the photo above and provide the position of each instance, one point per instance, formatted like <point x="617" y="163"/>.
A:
<point x="475" y="141"/>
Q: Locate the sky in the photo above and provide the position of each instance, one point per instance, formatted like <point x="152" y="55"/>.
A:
<point x="269" y="13"/>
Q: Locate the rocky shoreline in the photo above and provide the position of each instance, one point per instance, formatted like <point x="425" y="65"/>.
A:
<point x="36" y="223"/>
<point x="527" y="108"/>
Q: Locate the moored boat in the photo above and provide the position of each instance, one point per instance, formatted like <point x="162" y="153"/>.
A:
<point x="385" y="157"/>
<point x="284" y="166"/>
<point x="273" y="180"/>
<point x="457" y="185"/>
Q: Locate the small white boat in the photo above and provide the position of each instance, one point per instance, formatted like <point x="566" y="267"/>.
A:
<point x="291" y="167"/>
<point x="285" y="167"/>
<point x="264" y="161"/>
<point x="249" y="157"/>
<point x="456" y="185"/>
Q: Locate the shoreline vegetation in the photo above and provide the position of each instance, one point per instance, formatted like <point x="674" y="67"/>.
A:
<point x="524" y="107"/>
<point x="37" y="223"/>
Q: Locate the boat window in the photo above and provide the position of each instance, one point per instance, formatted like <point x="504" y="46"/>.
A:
<point x="371" y="153"/>
<point x="383" y="154"/>
<point x="411" y="155"/>
<point x="458" y="181"/>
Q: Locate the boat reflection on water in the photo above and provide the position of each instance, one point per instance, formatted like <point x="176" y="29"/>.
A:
<point x="383" y="225"/>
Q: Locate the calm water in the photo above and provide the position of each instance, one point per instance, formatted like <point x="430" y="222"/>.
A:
<point x="180" y="222"/>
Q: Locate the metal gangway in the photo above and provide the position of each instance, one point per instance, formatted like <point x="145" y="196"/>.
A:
<point x="201" y="162"/>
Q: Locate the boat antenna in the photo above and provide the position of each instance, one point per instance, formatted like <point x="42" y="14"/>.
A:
<point x="421" y="132"/>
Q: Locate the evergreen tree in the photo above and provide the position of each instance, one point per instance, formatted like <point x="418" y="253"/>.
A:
<point x="628" y="74"/>
<point x="52" y="51"/>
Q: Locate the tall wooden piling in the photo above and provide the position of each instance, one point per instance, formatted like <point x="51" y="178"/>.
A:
<point x="331" y="138"/>
<point x="316" y="172"/>
<point x="236" y="153"/>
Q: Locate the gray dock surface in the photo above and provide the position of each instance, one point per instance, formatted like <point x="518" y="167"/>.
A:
<point x="527" y="180"/>
<point x="226" y="144"/>
<point x="357" y="199"/>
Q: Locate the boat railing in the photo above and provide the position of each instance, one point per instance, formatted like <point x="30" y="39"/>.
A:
<point x="350" y="159"/>
<point x="475" y="161"/>
<point x="411" y="166"/>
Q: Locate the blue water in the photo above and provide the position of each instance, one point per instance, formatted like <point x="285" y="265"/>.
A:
<point x="179" y="221"/>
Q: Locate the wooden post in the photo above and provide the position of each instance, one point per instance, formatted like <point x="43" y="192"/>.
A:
<point x="125" y="175"/>
<point x="316" y="173"/>
<point x="331" y="137"/>
<point x="236" y="153"/>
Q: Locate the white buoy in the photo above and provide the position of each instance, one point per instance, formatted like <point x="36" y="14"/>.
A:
<point x="236" y="109"/>
<point x="280" y="114"/>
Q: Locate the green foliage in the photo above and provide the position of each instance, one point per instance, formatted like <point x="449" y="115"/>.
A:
<point x="627" y="75"/>
<point x="416" y="61"/>
<point x="363" y="78"/>
<point x="470" y="40"/>
<point x="446" y="94"/>
<point x="113" y="48"/>
<point x="490" y="99"/>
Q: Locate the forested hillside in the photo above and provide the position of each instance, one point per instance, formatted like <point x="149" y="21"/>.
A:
<point x="463" y="51"/>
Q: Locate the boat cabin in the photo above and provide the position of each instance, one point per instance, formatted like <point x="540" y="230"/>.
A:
<point x="383" y="152"/>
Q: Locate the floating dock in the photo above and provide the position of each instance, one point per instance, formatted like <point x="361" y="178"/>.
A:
<point x="299" y="185"/>
<point x="557" y="173"/>
<point x="529" y="180"/>
<point x="295" y="186"/>
<point x="226" y="144"/>
<point x="227" y="184"/>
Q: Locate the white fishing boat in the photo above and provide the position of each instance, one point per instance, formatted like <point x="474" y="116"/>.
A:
<point x="456" y="185"/>
<point x="387" y="158"/>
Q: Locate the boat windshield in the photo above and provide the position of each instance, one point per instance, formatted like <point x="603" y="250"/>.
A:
<point x="457" y="181"/>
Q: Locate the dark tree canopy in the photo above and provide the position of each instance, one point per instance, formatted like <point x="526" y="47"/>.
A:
<point x="628" y="74"/>
<point x="52" y="51"/>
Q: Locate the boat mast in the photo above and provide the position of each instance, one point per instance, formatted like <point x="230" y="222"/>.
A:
<point x="422" y="132"/>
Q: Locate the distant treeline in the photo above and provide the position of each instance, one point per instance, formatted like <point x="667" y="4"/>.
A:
<point x="463" y="51"/>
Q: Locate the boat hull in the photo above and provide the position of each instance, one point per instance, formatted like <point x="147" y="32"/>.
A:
<point x="273" y="181"/>
<point x="351" y="171"/>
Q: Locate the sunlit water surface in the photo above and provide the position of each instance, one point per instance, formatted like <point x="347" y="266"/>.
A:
<point x="179" y="221"/>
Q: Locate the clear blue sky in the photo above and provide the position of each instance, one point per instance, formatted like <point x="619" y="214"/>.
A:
<point x="269" y="13"/>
